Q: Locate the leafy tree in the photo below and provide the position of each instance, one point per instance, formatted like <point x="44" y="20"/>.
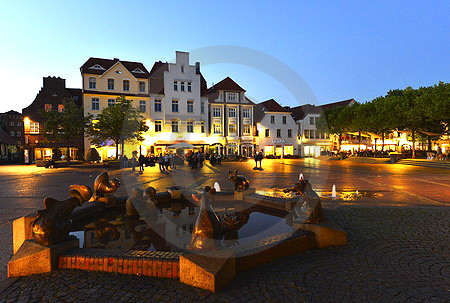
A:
<point x="119" y="123"/>
<point x="335" y="121"/>
<point x="65" y="125"/>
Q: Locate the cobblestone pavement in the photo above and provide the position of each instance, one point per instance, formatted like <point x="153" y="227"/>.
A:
<point x="398" y="247"/>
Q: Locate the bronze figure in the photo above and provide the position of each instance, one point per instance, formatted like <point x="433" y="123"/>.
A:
<point x="103" y="186"/>
<point x="53" y="223"/>
<point x="311" y="208"/>
<point x="240" y="182"/>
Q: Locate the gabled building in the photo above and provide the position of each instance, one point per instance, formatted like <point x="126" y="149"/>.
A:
<point x="50" y="98"/>
<point x="312" y="142"/>
<point x="178" y="105"/>
<point x="104" y="80"/>
<point x="277" y="131"/>
<point x="230" y="119"/>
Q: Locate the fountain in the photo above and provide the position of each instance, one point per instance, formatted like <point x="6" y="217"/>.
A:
<point x="204" y="238"/>
<point x="333" y="191"/>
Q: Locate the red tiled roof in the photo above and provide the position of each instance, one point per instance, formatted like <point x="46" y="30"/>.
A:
<point x="226" y="84"/>
<point x="108" y="63"/>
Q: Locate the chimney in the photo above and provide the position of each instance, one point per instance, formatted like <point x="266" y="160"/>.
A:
<point x="197" y="67"/>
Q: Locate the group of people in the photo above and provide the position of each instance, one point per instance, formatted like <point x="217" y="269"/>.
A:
<point x="195" y="159"/>
<point x="258" y="158"/>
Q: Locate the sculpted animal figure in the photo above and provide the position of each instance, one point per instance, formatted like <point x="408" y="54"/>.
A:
<point x="103" y="186"/>
<point x="240" y="182"/>
<point x="312" y="207"/>
<point x="53" y="223"/>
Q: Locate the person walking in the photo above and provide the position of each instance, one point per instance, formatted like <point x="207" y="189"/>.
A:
<point x="256" y="157"/>
<point x="166" y="162"/>
<point x="125" y="161"/>
<point x="161" y="163"/>
<point x="201" y="158"/>
<point x="133" y="161"/>
<point x="141" y="163"/>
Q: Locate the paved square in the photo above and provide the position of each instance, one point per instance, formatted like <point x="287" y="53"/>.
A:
<point x="398" y="240"/>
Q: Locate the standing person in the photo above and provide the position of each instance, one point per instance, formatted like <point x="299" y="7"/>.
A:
<point x="256" y="157"/>
<point x="161" y="162"/>
<point x="260" y="157"/>
<point x="201" y="158"/>
<point x="125" y="161"/>
<point x="141" y="162"/>
<point x="194" y="160"/>
<point x="166" y="162"/>
<point x="133" y="161"/>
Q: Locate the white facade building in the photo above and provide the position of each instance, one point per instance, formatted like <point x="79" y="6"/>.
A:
<point x="276" y="130"/>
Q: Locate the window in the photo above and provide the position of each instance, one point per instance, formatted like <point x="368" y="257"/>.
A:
<point x="175" y="85"/>
<point x="175" y="106"/>
<point x="284" y="119"/>
<point x="189" y="86"/>
<point x="306" y="133"/>
<point x="246" y="129"/>
<point x="175" y="126"/>
<point x="246" y="113"/>
<point x="142" y="86"/>
<point x="232" y="128"/>
<point x="311" y="121"/>
<point x="216" y="112"/>
<point x="111" y="84"/>
<point x="47" y="107"/>
<point x="232" y="112"/>
<point x="18" y="134"/>
<point x="217" y="128"/>
<point x="92" y="82"/>
<point x="202" y="127"/>
<point x="289" y="133"/>
<point x="158" y="126"/>
<point x="60" y="108"/>
<point x="12" y="134"/>
<point x="272" y="119"/>
<point x="11" y="123"/>
<point x="190" y="127"/>
<point x="267" y="133"/>
<point x="19" y="124"/>
<point x="182" y="86"/>
<point x="190" y="106"/>
<point x="34" y="128"/>
<point x="278" y="133"/>
<point x="202" y="107"/>
<point x="143" y="106"/>
<point x="111" y="102"/>
<point x="231" y="96"/>
<point x="158" y="106"/>
<point x="182" y="69"/>
<point x="95" y="104"/>
<point x="126" y="85"/>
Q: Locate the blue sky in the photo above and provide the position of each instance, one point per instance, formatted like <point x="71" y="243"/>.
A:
<point x="337" y="49"/>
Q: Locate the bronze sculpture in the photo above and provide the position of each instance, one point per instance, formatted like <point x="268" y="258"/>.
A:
<point x="240" y="182"/>
<point x="53" y="223"/>
<point x="104" y="187"/>
<point x="207" y="230"/>
<point x="311" y="208"/>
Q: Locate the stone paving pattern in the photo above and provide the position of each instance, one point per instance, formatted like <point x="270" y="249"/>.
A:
<point x="398" y="247"/>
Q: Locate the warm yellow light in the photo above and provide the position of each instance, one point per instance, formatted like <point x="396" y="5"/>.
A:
<point x="26" y="120"/>
<point x="148" y="123"/>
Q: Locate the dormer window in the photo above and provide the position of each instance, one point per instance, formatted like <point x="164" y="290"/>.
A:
<point x="138" y="70"/>
<point x="97" y="66"/>
<point x="182" y="69"/>
<point x="231" y="97"/>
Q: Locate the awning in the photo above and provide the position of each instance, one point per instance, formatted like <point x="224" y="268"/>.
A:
<point x="182" y="145"/>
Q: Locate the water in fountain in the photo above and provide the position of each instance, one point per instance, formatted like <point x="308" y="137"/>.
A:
<point x="357" y="193"/>
<point x="300" y="176"/>
<point x="217" y="186"/>
<point x="333" y="191"/>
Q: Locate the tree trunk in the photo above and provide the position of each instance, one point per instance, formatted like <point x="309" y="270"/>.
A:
<point x="413" y="137"/>
<point x="429" y="144"/>
<point x="117" y="150"/>
<point x="122" y="147"/>
<point x="376" y="144"/>
<point x="382" y="138"/>
<point x="339" y="142"/>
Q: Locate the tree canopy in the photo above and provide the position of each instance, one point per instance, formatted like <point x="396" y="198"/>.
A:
<point x="421" y="110"/>
<point x="119" y="122"/>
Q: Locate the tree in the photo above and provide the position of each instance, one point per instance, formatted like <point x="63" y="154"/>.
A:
<point x="66" y="124"/>
<point x="335" y="121"/>
<point x="119" y="123"/>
